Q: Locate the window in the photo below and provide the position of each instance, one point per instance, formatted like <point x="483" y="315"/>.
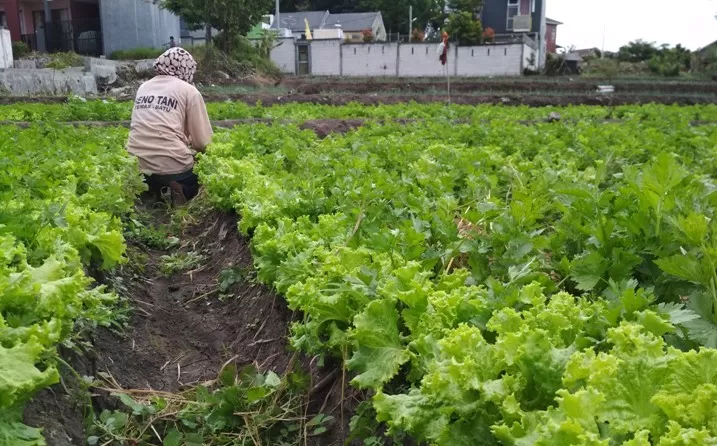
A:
<point x="38" y="19"/>
<point x="513" y="10"/>
<point x="3" y="20"/>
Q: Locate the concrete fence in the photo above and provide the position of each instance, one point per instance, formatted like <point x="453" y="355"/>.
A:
<point x="336" y="58"/>
<point x="5" y="49"/>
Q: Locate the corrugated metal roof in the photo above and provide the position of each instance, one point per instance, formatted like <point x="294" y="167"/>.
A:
<point x="295" y="20"/>
<point x="353" y="21"/>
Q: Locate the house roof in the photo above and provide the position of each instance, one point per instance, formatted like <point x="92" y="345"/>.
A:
<point x="355" y="21"/>
<point x="584" y="51"/>
<point x="708" y="47"/>
<point x="552" y="22"/>
<point x="296" y="21"/>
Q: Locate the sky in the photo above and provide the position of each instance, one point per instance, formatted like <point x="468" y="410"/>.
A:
<point x="689" y="22"/>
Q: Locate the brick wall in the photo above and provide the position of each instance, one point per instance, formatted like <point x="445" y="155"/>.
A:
<point x="284" y="55"/>
<point x="376" y="59"/>
<point x="326" y="57"/>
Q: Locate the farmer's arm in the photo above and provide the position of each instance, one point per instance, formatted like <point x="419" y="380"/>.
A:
<point x="199" y="129"/>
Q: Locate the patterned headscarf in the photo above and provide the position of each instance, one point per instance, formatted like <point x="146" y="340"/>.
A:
<point x="176" y="62"/>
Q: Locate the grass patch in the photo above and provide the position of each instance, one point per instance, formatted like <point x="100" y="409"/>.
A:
<point x="242" y="406"/>
<point x="60" y="61"/>
<point x="180" y="261"/>
<point x="137" y="54"/>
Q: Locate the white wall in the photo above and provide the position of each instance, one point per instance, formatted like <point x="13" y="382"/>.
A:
<point x="5" y="49"/>
<point x="376" y="59"/>
<point x="335" y="58"/>
<point x="421" y="60"/>
<point x="326" y="57"/>
<point x="284" y="55"/>
<point x="320" y="34"/>
<point x="490" y="60"/>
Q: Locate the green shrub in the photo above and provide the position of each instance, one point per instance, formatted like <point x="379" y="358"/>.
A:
<point x="137" y="54"/>
<point x="603" y="68"/>
<point x="465" y="28"/>
<point x="20" y="50"/>
<point x="637" y="51"/>
<point x="60" y="61"/>
<point x="667" y="64"/>
<point x="245" y="57"/>
<point x="555" y="65"/>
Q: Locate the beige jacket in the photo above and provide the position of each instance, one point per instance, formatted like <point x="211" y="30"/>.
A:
<point x="169" y="115"/>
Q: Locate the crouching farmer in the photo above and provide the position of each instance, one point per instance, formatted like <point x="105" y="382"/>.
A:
<point x="169" y="125"/>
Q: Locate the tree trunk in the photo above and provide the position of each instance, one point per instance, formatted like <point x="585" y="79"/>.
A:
<point x="208" y="23"/>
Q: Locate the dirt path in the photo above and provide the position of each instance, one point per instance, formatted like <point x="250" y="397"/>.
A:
<point x="183" y="329"/>
<point x="180" y="333"/>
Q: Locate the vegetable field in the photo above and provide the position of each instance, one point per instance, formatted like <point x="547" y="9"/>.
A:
<point x="481" y="279"/>
<point x="63" y="193"/>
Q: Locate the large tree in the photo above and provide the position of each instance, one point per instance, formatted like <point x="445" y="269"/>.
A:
<point x="232" y="17"/>
<point x="638" y="51"/>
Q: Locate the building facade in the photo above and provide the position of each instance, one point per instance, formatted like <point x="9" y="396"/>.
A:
<point x="90" y="27"/>
<point x="551" y="35"/>
<point x="513" y="17"/>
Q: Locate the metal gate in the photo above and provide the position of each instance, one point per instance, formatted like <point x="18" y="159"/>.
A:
<point x="303" y="59"/>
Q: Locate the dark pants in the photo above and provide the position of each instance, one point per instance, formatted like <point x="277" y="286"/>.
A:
<point x="188" y="180"/>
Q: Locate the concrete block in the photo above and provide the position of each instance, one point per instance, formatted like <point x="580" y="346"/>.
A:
<point x="47" y="81"/>
<point x="284" y="55"/>
<point x="144" y="67"/>
<point x="88" y="85"/>
<point x="375" y="59"/>
<point x="91" y="62"/>
<point x="421" y="60"/>
<point x="490" y="60"/>
<point x="326" y="57"/>
<point x="25" y="64"/>
<point x="104" y="75"/>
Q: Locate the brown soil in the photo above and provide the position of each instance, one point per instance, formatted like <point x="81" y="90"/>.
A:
<point x="59" y="413"/>
<point x="181" y="334"/>
<point x="509" y="99"/>
<point x="505" y="99"/>
<point x="519" y="85"/>
<point x="324" y="127"/>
